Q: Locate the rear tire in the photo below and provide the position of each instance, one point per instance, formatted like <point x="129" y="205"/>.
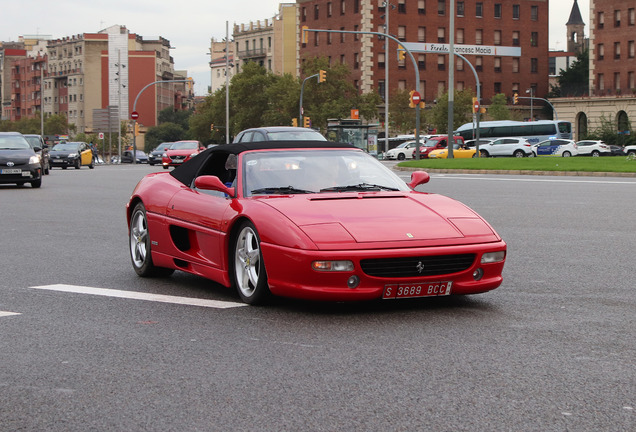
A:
<point x="567" y="154"/>
<point x="595" y="153"/>
<point x="139" y="245"/>
<point x="483" y="153"/>
<point x="519" y="154"/>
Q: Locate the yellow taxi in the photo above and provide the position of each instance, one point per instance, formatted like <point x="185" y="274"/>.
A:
<point x="459" y="151"/>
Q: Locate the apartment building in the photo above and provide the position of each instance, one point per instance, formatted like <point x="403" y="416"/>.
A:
<point x="518" y="23"/>
<point x="27" y="75"/>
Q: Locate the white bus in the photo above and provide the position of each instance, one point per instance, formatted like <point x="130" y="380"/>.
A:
<point x="533" y="131"/>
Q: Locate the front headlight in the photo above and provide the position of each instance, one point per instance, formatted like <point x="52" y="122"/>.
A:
<point x="72" y="155"/>
<point x="493" y="257"/>
<point x="35" y="159"/>
<point x="194" y="154"/>
<point x="332" y="266"/>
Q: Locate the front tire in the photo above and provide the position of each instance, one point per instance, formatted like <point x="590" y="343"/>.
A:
<point x="518" y="154"/>
<point x="139" y="242"/>
<point x="248" y="272"/>
<point x="596" y="153"/>
<point x="78" y="163"/>
<point x="483" y="153"/>
<point x="567" y="154"/>
<point x="36" y="183"/>
<point x="401" y="156"/>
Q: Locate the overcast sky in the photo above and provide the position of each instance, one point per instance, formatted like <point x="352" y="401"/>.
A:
<point x="188" y="25"/>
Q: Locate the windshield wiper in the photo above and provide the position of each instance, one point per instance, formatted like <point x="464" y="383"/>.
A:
<point x="281" y="190"/>
<point x="358" y="187"/>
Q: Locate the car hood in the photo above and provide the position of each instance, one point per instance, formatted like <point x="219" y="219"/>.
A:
<point x="337" y="219"/>
<point x="185" y="152"/>
<point x="20" y="156"/>
<point x="62" y="153"/>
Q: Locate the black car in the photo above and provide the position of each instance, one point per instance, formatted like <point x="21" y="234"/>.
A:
<point x="127" y="157"/>
<point x="617" y="150"/>
<point x="42" y="149"/>
<point x="19" y="164"/>
<point x="154" y="157"/>
<point x="71" y="154"/>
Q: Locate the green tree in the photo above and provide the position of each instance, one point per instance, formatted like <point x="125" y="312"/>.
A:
<point x="462" y="111"/>
<point x="169" y="115"/>
<point x="56" y="124"/>
<point x="498" y="109"/>
<point x="165" y="132"/>
<point x="401" y="116"/>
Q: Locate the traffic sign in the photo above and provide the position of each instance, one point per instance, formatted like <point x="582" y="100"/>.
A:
<point x="101" y="135"/>
<point x="476" y="106"/>
<point x="416" y="98"/>
<point x="134" y="115"/>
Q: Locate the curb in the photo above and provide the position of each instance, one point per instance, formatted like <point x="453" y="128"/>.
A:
<point x="522" y="172"/>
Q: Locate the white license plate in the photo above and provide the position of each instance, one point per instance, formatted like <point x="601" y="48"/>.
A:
<point x="418" y="289"/>
<point x="11" y="171"/>
<point x="57" y="160"/>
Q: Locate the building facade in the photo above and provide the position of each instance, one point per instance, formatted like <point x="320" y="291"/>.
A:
<point x="522" y="23"/>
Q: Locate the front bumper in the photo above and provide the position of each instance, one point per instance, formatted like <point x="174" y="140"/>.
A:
<point x="21" y="173"/>
<point x="63" y="162"/>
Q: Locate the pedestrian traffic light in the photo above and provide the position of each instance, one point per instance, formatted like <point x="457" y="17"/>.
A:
<point x="515" y="99"/>
<point x="304" y="34"/>
<point x="295" y="122"/>
<point x="322" y="76"/>
<point x="306" y="122"/>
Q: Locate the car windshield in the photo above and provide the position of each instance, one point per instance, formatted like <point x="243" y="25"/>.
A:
<point x="308" y="135"/>
<point x="65" y="147"/>
<point x="33" y="141"/>
<point x="13" y="142"/>
<point x="315" y="171"/>
<point x="185" y="145"/>
<point x="430" y="143"/>
<point x="163" y="147"/>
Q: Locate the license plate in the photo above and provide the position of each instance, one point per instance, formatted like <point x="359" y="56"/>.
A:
<point x="418" y="289"/>
<point x="57" y="160"/>
<point x="177" y="161"/>
<point x="11" y="171"/>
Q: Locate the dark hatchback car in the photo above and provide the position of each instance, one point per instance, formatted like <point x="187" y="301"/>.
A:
<point x="154" y="157"/>
<point x="42" y="149"/>
<point x="19" y="164"/>
<point x="127" y="157"/>
<point x="72" y="154"/>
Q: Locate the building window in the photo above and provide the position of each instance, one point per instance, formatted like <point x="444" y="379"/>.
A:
<point x="459" y="64"/>
<point x="342" y="7"/>
<point x="479" y="63"/>
<point x="497" y="10"/>
<point x="630" y="49"/>
<point x="534" y="65"/>
<point x="516" y="38"/>
<point x="617" y="18"/>
<point x="441" y="35"/>
<point x="402" y="6"/>
<point x="342" y="36"/>
<point x="534" y="39"/>
<point x="402" y="33"/>
<point x="631" y="16"/>
<point x="356" y="6"/>
<point x="342" y="59"/>
<point x="617" y="81"/>
<point x="515" y="11"/>
<point x="497" y="87"/>
<point x="600" y="20"/>
<point x="316" y="12"/>
<point x="402" y="85"/>
<point x="329" y="38"/>
<point x="316" y="39"/>
<point x="421" y="34"/>
<point x="441" y="62"/>
<point x="421" y="61"/>
<point x="356" y="61"/>
<point x="600" y="52"/>
<point x="460" y="8"/>
<point x="497" y="40"/>
<point x="441" y="7"/>
<point x="479" y="9"/>
<point x="479" y="37"/>
<point x="421" y="7"/>
<point x="630" y="80"/>
<point x="441" y="87"/>
<point x="381" y="61"/>
<point x="303" y="14"/>
<point x="497" y="64"/>
<point x="534" y="13"/>
<point x="355" y="35"/>
<point x="329" y="9"/>
<point x="600" y="80"/>
<point x="460" y="36"/>
<point x="515" y="64"/>
<point x="617" y="50"/>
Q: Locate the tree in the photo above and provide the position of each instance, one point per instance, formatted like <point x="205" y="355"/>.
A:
<point x="165" y="132"/>
<point x="169" y="115"/>
<point x="573" y="81"/>
<point x="498" y="109"/>
<point x="401" y="117"/>
<point x="462" y="111"/>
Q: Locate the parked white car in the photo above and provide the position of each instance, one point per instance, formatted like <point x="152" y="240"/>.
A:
<point x="593" y="148"/>
<point x="556" y="147"/>
<point x="630" y="151"/>
<point x="402" y="151"/>
<point x="513" y="146"/>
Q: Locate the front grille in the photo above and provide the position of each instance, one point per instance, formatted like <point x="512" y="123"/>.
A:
<point x="417" y="266"/>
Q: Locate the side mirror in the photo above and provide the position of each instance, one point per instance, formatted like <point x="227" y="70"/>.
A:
<point x="37" y="148"/>
<point x="209" y="182"/>
<point x="418" y="178"/>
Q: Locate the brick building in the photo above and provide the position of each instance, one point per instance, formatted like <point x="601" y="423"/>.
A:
<point x="27" y="74"/>
<point x="520" y="23"/>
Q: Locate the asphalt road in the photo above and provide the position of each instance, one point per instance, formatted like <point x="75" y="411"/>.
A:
<point x="552" y="349"/>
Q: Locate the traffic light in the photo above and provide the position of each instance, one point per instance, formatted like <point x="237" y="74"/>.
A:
<point x="304" y="34"/>
<point x="295" y="122"/>
<point x="136" y="129"/>
<point x="401" y="53"/>
<point x="515" y="99"/>
<point x="211" y="126"/>
<point x="411" y="103"/>
<point x="306" y="122"/>
<point x="322" y="76"/>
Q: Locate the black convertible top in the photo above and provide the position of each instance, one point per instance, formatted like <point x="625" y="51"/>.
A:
<point x="185" y="173"/>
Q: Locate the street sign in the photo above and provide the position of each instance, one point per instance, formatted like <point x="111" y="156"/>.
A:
<point x="481" y="50"/>
<point x="101" y="135"/>
<point x="134" y="115"/>
<point x="476" y="106"/>
<point x="416" y="98"/>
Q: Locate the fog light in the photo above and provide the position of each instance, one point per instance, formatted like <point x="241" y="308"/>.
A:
<point x="353" y="282"/>
<point x="478" y="274"/>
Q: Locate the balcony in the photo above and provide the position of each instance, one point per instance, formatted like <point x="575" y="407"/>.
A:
<point x="253" y="53"/>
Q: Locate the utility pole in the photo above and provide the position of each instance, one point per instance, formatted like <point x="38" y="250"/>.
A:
<point x="451" y="78"/>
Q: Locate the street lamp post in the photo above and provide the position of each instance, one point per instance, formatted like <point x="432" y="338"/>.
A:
<point x="531" y="91"/>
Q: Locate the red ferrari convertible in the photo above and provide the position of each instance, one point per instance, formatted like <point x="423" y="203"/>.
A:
<point x="313" y="220"/>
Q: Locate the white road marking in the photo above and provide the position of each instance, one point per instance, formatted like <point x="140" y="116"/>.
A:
<point x="4" y="314"/>
<point x="141" y="296"/>
<point x="534" y="179"/>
